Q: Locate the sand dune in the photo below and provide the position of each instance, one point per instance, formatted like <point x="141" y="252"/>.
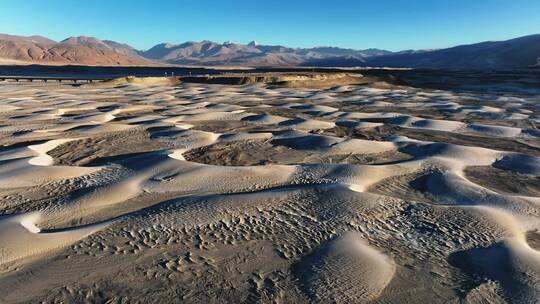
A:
<point x="345" y="270"/>
<point x="22" y="239"/>
<point x="160" y="191"/>
<point x="512" y="262"/>
<point x="42" y="158"/>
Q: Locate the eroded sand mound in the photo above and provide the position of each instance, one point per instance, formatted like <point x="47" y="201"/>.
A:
<point x="292" y="80"/>
<point x="287" y="189"/>
<point x="144" y="80"/>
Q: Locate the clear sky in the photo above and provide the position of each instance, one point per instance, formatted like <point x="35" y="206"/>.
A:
<point x="393" y="25"/>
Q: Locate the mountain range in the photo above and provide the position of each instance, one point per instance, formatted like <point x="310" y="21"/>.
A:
<point x="74" y="50"/>
<point x="251" y="54"/>
<point x="518" y="52"/>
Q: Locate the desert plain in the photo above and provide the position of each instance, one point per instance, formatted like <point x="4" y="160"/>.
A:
<point x="278" y="189"/>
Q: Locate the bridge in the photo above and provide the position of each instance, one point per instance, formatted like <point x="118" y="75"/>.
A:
<point x="52" y="79"/>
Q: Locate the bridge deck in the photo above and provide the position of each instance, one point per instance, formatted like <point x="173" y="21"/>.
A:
<point x="46" y="79"/>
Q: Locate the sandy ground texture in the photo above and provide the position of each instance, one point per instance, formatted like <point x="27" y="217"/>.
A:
<point x="168" y="192"/>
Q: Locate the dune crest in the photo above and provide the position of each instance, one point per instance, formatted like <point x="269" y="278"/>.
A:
<point x="21" y="238"/>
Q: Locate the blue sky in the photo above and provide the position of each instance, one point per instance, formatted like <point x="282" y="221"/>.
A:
<point x="393" y="25"/>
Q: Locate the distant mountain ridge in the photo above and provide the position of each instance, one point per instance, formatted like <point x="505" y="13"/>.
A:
<point x="73" y="50"/>
<point x="212" y="53"/>
<point x="517" y="52"/>
<point x="82" y="50"/>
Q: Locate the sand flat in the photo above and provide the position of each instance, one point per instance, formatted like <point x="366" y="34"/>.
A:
<point x="162" y="191"/>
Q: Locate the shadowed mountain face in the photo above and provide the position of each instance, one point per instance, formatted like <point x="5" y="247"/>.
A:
<point x="518" y="52"/>
<point x="74" y="50"/>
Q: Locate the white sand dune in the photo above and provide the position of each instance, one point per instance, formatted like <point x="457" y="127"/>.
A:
<point x="512" y="262"/>
<point x="42" y="159"/>
<point x="345" y="270"/>
<point x="32" y="166"/>
<point x="20" y="238"/>
<point x="266" y="119"/>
